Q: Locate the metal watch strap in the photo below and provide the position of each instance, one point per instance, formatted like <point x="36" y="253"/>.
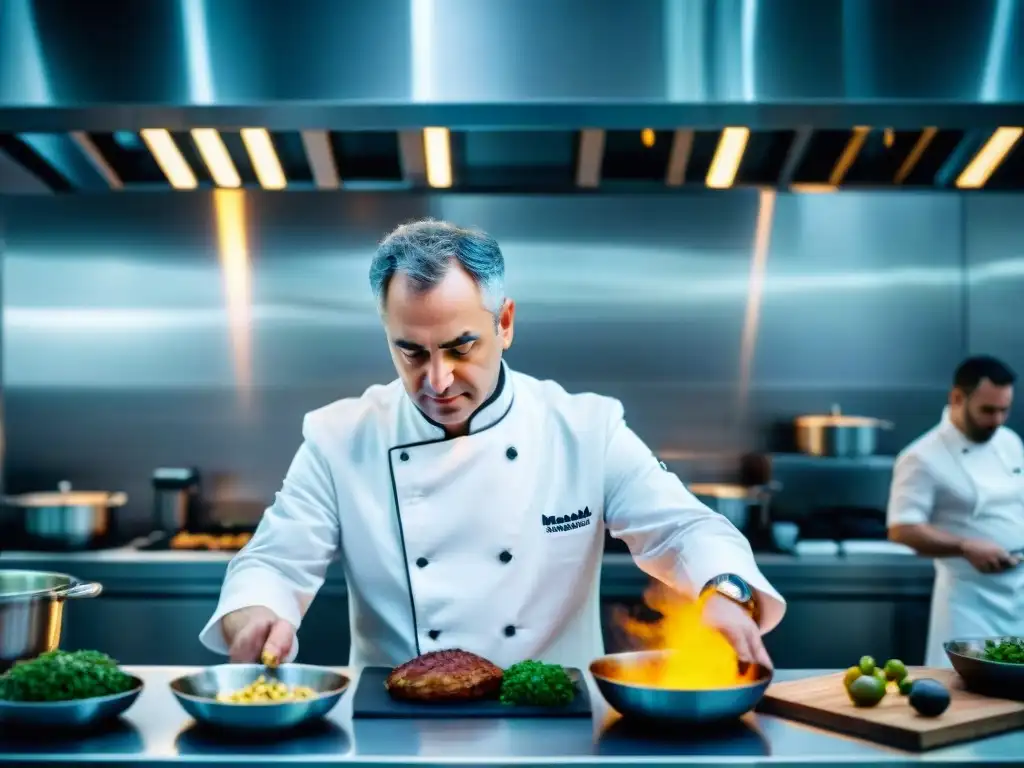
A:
<point x="734" y="588"/>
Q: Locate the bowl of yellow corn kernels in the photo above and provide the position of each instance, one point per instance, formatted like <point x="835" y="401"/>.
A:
<point x="258" y="697"/>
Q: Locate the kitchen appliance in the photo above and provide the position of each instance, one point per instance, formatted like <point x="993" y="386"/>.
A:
<point x="668" y="705"/>
<point x="68" y="519"/>
<point x="831" y="498"/>
<point x="834" y="434"/>
<point x="177" y="499"/>
<point x="32" y="611"/>
<point x="823" y="702"/>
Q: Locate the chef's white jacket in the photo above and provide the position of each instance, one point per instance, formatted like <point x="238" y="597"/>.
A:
<point x="491" y="542"/>
<point x="971" y="490"/>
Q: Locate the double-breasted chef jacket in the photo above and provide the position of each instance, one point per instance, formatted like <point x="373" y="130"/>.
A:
<point x="970" y="490"/>
<point x="490" y="542"/>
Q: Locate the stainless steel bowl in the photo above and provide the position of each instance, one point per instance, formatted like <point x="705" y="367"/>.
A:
<point x="32" y="611"/>
<point x="197" y="695"/>
<point x="989" y="678"/>
<point x="81" y="713"/>
<point x="669" y="705"/>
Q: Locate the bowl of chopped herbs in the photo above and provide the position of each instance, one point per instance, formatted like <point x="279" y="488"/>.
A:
<point x="71" y="689"/>
<point x="991" y="666"/>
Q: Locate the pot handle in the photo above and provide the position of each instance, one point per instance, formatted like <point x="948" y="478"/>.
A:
<point x="118" y="499"/>
<point x="885" y="424"/>
<point x="78" y="589"/>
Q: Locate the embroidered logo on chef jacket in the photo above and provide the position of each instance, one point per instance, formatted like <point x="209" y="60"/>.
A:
<point x="562" y="523"/>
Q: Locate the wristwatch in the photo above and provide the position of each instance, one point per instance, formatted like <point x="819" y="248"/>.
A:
<point x="734" y="588"/>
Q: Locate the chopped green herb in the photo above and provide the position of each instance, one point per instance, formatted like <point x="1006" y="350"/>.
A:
<point x="1006" y="651"/>
<point x="64" y="676"/>
<point x="534" y="683"/>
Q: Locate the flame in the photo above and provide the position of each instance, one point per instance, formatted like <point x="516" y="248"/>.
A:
<point x="701" y="657"/>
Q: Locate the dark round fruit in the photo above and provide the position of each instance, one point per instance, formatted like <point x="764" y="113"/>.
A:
<point x="866" y="691"/>
<point x="929" y="697"/>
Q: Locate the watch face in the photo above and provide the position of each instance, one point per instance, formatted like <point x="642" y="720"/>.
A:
<point x="731" y="589"/>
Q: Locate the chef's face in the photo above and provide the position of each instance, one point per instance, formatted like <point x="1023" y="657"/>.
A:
<point x="984" y="410"/>
<point x="446" y="345"/>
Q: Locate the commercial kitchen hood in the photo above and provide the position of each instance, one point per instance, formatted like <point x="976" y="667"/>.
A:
<point x="511" y="95"/>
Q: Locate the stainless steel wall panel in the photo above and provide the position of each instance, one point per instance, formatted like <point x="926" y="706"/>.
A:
<point x="119" y="348"/>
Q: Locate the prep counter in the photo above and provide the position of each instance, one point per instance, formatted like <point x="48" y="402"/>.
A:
<point x="157" y="732"/>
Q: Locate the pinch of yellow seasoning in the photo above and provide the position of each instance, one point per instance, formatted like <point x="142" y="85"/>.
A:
<point x="268" y="659"/>
<point x="264" y="691"/>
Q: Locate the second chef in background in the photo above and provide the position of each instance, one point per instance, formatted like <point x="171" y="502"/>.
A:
<point x="958" y="496"/>
<point x="468" y="501"/>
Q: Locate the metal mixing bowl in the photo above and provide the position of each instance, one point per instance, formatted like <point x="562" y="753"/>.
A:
<point x="989" y="678"/>
<point x="197" y="695"/>
<point x="80" y="713"/>
<point x="670" y="705"/>
<point x="32" y="611"/>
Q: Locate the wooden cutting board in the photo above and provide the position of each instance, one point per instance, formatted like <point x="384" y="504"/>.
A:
<point x="823" y="702"/>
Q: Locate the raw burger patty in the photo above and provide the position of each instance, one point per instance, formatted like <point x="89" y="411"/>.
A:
<point x="450" y="675"/>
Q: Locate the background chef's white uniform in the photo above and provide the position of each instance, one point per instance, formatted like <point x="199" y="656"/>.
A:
<point x="490" y="542"/>
<point x="971" y="490"/>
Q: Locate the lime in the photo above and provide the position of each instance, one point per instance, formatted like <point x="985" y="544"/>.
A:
<point x="895" y="670"/>
<point x="867" y="665"/>
<point x="905" y="685"/>
<point x="851" y="674"/>
<point x="880" y="674"/>
<point x="866" y="691"/>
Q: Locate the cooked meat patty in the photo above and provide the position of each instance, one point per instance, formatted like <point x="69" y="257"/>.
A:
<point x="449" y="675"/>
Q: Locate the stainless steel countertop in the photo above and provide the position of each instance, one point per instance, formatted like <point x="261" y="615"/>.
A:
<point x="156" y="731"/>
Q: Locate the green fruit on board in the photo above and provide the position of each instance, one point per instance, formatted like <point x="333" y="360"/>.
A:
<point x="851" y="674"/>
<point x="866" y="691"/>
<point x="895" y="670"/>
<point x="866" y="665"/>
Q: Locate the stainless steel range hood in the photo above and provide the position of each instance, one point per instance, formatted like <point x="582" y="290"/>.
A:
<point x="545" y="94"/>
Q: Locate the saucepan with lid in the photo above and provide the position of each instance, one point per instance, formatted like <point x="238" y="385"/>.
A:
<point x="734" y="502"/>
<point x="65" y="518"/>
<point x="838" y="435"/>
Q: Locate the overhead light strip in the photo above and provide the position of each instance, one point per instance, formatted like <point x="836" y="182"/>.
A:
<point x="99" y="162"/>
<point x="321" y="159"/>
<point x="264" y="159"/>
<point x="590" y="158"/>
<point x="679" y="157"/>
<point x="169" y="158"/>
<point x="916" y="152"/>
<point x="438" y="154"/>
<point x="728" y="156"/>
<point x="215" y="155"/>
<point x="850" y="152"/>
<point x="980" y="169"/>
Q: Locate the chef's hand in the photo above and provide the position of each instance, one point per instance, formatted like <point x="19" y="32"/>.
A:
<point x="987" y="556"/>
<point x="255" y="634"/>
<point x="739" y="629"/>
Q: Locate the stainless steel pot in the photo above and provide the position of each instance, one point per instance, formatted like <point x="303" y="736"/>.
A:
<point x="67" y="519"/>
<point x="837" y="435"/>
<point x="32" y="611"/>
<point x="734" y="502"/>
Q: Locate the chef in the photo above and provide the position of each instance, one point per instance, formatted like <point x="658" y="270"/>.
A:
<point x="958" y="495"/>
<point x="468" y="502"/>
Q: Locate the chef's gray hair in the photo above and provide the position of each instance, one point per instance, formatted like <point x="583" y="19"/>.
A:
<point x="425" y="250"/>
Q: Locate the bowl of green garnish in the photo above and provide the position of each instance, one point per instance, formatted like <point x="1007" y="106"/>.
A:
<point x="71" y="689"/>
<point x="991" y="666"/>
